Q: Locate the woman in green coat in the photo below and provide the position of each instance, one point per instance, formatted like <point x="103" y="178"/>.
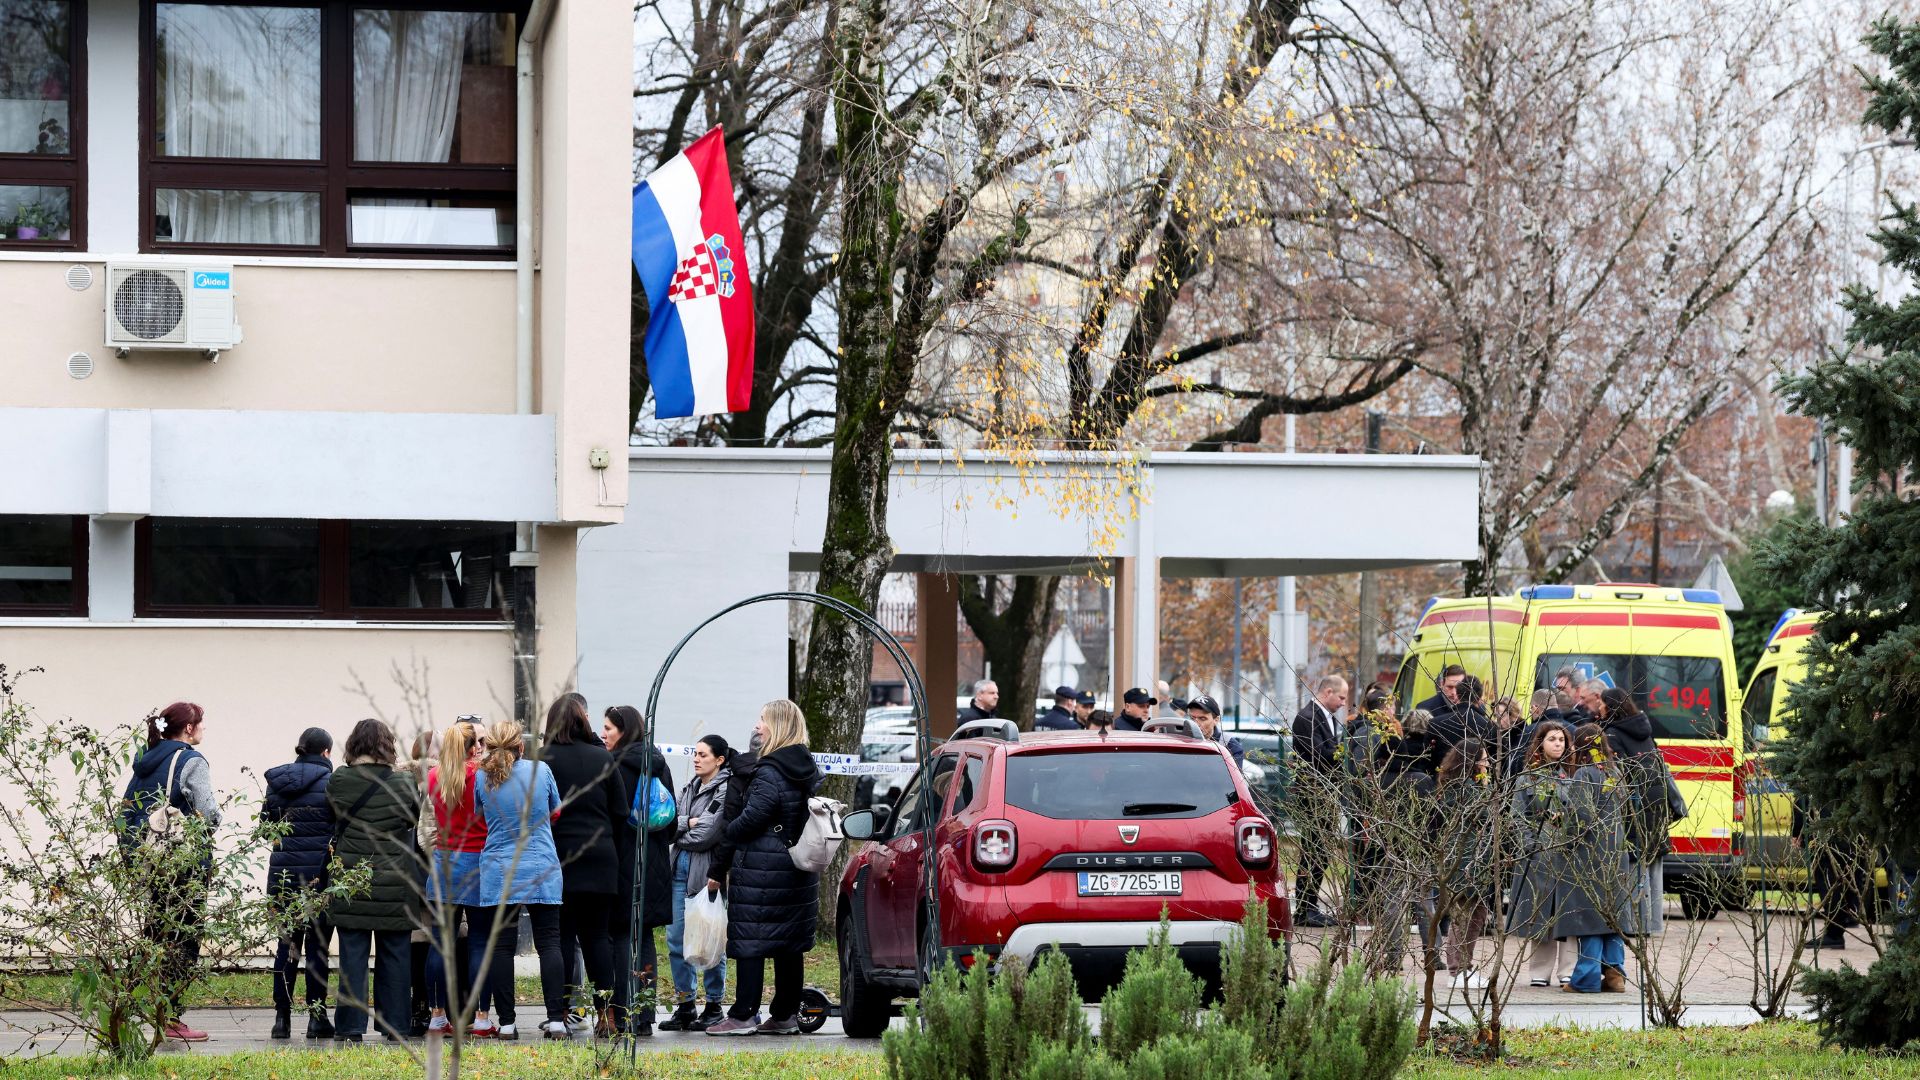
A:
<point x="375" y="809"/>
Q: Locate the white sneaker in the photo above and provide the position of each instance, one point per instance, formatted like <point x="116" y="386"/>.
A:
<point x="1468" y="980"/>
<point x="506" y="1031"/>
<point x="556" y="1029"/>
<point x="579" y="1020"/>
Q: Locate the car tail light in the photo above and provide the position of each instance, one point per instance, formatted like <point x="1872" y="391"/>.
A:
<point x="1740" y="791"/>
<point x="1253" y="840"/>
<point x="994" y="845"/>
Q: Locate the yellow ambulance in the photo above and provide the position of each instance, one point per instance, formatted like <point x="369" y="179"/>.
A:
<point x="1782" y="664"/>
<point x="1768" y="854"/>
<point x="1672" y="649"/>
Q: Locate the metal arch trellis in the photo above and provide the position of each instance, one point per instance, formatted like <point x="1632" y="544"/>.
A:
<point x="923" y="744"/>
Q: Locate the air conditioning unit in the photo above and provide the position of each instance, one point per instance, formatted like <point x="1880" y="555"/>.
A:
<point x="174" y="305"/>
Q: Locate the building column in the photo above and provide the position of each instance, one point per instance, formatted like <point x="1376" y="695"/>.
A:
<point x="1121" y="592"/>
<point x="936" y="646"/>
<point x="110" y="570"/>
<point x="1142" y="596"/>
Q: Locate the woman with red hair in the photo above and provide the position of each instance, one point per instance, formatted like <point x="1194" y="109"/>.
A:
<point x="173" y="773"/>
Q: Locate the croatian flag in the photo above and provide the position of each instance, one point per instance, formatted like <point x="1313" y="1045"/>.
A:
<point x="692" y="263"/>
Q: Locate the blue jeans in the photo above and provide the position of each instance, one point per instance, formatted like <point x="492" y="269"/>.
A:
<point x="716" y="977"/>
<point x="439" y="994"/>
<point x="1595" y="950"/>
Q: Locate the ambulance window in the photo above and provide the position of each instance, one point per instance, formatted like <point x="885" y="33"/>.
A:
<point x="1684" y="696"/>
<point x="1757" y="710"/>
<point x="1406" y="690"/>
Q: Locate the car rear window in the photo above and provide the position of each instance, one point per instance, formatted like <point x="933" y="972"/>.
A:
<point x="1684" y="696"/>
<point x="1110" y="784"/>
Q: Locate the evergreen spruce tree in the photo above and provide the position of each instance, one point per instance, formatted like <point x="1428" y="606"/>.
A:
<point x="1854" y="755"/>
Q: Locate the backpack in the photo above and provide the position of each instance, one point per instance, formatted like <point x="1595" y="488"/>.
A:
<point x="165" y="822"/>
<point x="820" y="835"/>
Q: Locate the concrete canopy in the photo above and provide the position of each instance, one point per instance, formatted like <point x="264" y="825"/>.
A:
<point x="708" y="527"/>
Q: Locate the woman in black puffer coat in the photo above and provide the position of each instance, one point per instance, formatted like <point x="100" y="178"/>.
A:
<point x="771" y="904"/>
<point x="297" y="795"/>
<point x="621" y="730"/>
<point x="583" y="837"/>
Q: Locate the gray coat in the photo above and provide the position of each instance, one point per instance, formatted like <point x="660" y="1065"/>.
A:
<point x="704" y="801"/>
<point x="1596" y="895"/>
<point x="1540" y="864"/>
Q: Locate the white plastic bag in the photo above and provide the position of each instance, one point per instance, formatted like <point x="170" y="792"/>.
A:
<point x="704" y="943"/>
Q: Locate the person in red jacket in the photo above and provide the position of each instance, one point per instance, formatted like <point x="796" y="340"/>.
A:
<point x="451" y="827"/>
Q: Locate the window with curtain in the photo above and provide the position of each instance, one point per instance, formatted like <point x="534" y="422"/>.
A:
<point x="265" y="136"/>
<point x="40" y="124"/>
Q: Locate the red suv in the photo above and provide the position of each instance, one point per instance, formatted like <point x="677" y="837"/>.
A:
<point x="1067" y="840"/>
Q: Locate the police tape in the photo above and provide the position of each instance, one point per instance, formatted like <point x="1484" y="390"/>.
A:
<point x="834" y="764"/>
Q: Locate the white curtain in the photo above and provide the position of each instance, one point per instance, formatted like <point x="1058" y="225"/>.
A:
<point x="239" y="82"/>
<point x="406" y="98"/>
<point x="34" y="76"/>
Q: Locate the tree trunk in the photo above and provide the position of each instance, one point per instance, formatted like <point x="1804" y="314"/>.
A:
<point x="1014" y="640"/>
<point x="855" y="550"/>
<point x="1369" y="646"/>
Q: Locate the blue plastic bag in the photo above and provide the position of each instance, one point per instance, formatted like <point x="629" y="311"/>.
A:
<point x="652" y="805"/>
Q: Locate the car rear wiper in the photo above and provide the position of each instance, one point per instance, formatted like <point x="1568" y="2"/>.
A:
<point x="1135" y="809"/>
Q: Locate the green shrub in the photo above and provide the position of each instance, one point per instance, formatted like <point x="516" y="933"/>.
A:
<point x="1156" y="998"/>
<point x="1056" y="1062"/>
<point x="1252" y="979"/>
<point x="1217" y="1052"/>
<point x="1345" y="1028"/>
<point x="982" y="1026"/>
<point x="1877" y="1009"/>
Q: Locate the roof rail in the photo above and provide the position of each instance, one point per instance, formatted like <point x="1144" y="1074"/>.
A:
<point x="1004" y="730"/>
<point x="1173" y="725"/>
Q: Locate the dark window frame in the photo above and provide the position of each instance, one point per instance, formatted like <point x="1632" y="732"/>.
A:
<point x="78" y="607"/>
<point x="336" y="176"/>
<point x="67" y="170"/>
<point x="335" y="604"/>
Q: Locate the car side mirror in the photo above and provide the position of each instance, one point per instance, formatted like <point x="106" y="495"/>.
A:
<point x="860" y="825"/>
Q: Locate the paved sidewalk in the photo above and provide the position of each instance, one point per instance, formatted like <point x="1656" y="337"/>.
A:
<point x="1715" y="954"/>
<point x="1717" y="957"/>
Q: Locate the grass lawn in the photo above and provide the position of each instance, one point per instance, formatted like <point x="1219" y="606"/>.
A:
<point x="255" y="988"/>
<point x="1759" y="1052"/>
<point x="491" y="1062"/>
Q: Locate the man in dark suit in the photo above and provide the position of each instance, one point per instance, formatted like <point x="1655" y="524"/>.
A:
<point x="1465" y="718"/>
<point x="1448" y="687"/>
<point x="1316" y="742"/>
<point x="986" y="698"/>
<point x="1060" y="717"/>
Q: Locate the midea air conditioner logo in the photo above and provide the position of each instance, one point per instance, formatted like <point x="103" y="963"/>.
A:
<point x="208" y="279"/>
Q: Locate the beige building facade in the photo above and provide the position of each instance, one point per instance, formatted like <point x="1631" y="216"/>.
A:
<point x="315" y="356"/>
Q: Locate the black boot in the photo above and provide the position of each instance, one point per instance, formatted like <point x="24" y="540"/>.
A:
<point x="318" y="1026"/>
<point x="282" y="1024"/>
<point x="709" y="1016"/>
<point x="681" y="1020"/>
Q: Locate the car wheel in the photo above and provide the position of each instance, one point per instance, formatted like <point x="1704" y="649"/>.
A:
<point x="865" y="1010"/>
<point x="1696" y="903"/>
